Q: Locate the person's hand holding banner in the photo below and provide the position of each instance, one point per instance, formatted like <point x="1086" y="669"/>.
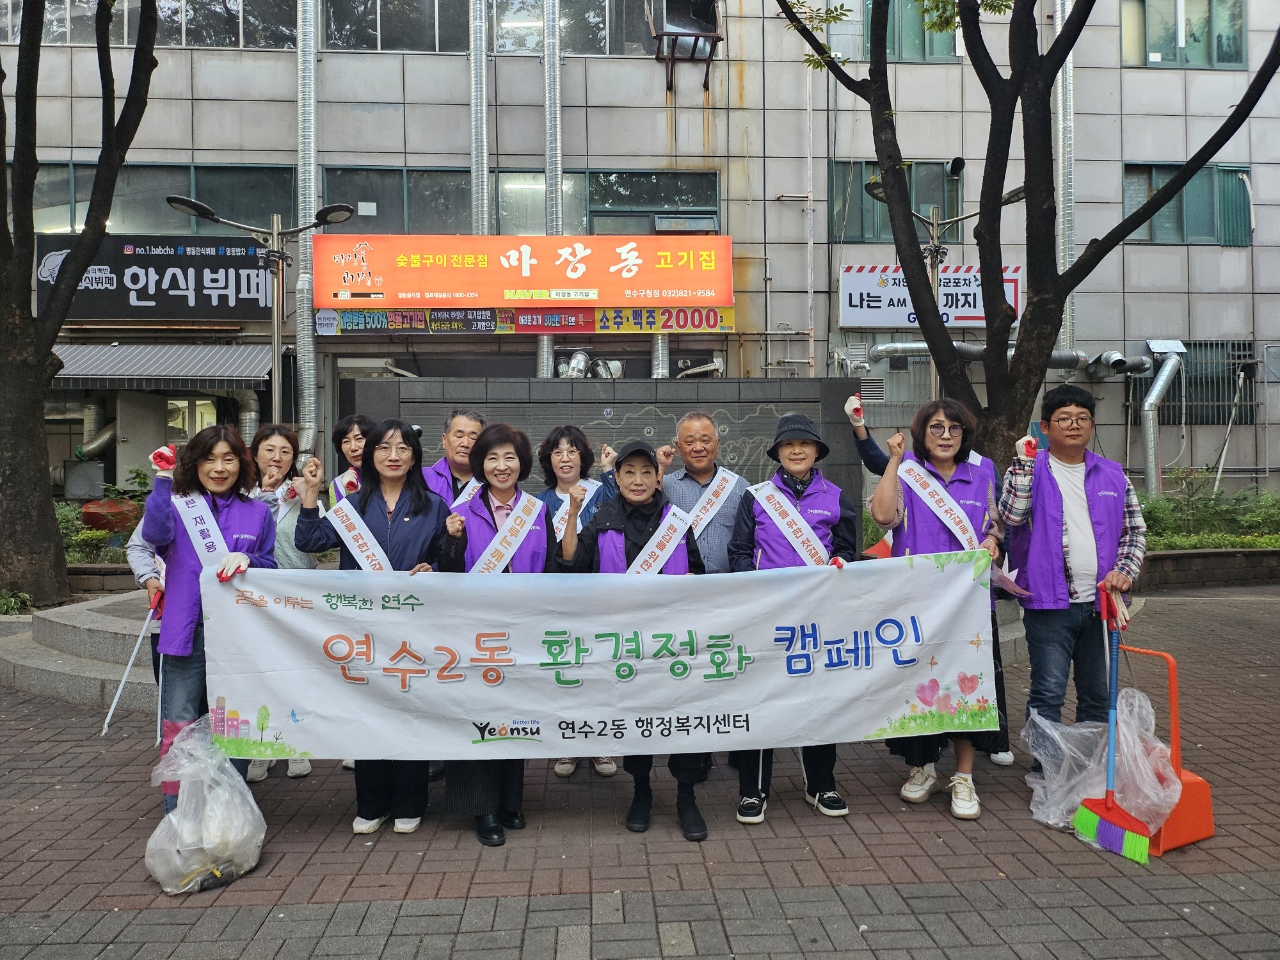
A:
<point x="232" y="564"/>
<point x="853" y="410"/>
<point x="164" y="460"/>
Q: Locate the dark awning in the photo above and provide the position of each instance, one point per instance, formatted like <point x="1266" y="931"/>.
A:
<point x="162" y="366"/>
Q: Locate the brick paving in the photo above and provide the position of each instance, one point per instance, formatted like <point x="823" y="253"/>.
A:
<point x="890" y="881"/>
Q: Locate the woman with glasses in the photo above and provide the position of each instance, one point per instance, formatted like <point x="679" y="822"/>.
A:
<point x="566" y="458"/>
<point x="942" y="442"/>
<point x="407" y="520"/>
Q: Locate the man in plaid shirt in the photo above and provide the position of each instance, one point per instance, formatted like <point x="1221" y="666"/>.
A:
<point x="1075" y="529"/>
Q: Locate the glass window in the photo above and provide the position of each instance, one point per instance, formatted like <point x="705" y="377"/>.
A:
<point x="1198" y="208"/>
<point x="629" y="33"/>
<point x="408" y="24"/>
<point x="55" y="21"/>
<point x="454" y="25"/>
<point x="83" y="29"/>
<point x="247" y="195"/>
<point x="1211" y="35"/>
<point x="582" y="27"/>
<point x="906" y="39"/>
<point x="522" y="205"/>
<point x="1212" y="208"/>
<point x="659" y="192"/>
<point x="1137" y="188"/>
<point x="613" y="225"/>
<point x="52" y="201"/>
<point x="213" y="24"/>
<point x="857" y="217"/>
<point x="270" y="24"/>
<point x="518" y="26"/>
<point x="139" y="205"/>
<point x="439" y="201"/>
<point x="377" y="195"/>
<point x="351" y="25"/>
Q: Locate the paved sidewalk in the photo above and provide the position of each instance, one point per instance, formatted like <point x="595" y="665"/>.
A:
<point x="903" y="882"/>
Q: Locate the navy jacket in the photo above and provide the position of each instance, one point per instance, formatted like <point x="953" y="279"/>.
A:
<point x="406" y="540"/>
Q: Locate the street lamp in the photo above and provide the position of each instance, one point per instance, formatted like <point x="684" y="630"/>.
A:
<point x="275" y="259"/>
<point x="934" y="250"/>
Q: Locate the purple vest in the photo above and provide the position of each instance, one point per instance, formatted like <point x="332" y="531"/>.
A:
<point x="611" y="550"/>
<point x="440" y="480"/>
<point x="1035" y="548"/>
<point x="820" y="507"/>
<point x="530" y="557"/>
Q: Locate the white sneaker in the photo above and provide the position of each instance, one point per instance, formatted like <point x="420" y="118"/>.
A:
<point x="566" y="765"/>
<point x="407" y="824"/>
<point x="361" y="825"/>
<point x="604" y="766"/>
<point x="964" y="799"/>
<point x="348" y="764"/>
<point x="920" y="786"/>
<point x="257" y="771"/>
<point x="299" y="768"/>
<point x="1003" y="759"/>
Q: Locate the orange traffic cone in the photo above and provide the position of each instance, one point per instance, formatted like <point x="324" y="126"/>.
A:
<point x="1192" y="818"/>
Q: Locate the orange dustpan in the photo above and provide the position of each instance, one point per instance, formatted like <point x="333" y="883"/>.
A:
<point x="1192" y="819"/>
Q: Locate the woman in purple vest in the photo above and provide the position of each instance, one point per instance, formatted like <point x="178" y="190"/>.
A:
<point x="759" y="544"/>
<point x="942" y="438"/>
<point x="619" y="533"/>
<point x="493" y="790"/>
<point x="216" y="469"/>
<point x="348" y="450"/>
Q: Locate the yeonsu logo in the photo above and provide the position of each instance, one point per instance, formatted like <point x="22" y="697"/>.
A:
<point x="491" y="732"/>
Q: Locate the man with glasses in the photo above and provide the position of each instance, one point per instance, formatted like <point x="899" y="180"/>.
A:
<point x="1075" y="529"/>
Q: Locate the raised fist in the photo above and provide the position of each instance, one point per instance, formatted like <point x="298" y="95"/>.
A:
<point x="607" y="456"/>
<point x="666" y="456"/>
<point x="576" y="498"/>
<point x="853" y="410"/>
<point x="896" y="445"/>
<point x="313" y="475"/>
<point x="1025" y="449"/>
<point x="164" y="460"/>
<point x="454" y="524"/>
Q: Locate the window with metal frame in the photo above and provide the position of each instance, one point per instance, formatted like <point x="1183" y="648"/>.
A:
<point x="1196" y="34"/>
<point x="1213" y="208"/>
<point x="908" y="41"/>
<point x="1212" y="369"/>
<point x="856" y="217"/>
<point x="261" y="24"/>
<point x="638" y="202"/>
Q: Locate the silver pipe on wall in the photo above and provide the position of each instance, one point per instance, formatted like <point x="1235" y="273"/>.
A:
<point x="479" y="55"/>
<point x="1058" y="359"/>
<point x="95" y="446"/>
<point x="1064" y="135"/>
<point x="660" y="357"/>
<point x="304" y="322"/>
<point x="93" y="417"/>
<point x="251" y="414"/>
<point x="553" y="153"/>
<point x="1170" y="363"/>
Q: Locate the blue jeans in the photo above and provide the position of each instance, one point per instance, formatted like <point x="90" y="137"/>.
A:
<point x="183" y="698"/>
<point x="1056" y="639"/>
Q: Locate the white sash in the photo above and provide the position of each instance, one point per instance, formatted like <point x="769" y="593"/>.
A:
<point x="938" y="499"/>
<point x="206" y="538"/>
<point x="791" y="522"/>
<point x="507" y="541"/>
<point x="561" y="521"/>
<point x="662" y="544"/>
<point x="356" y="536"/>
<point x="467" y="493"/>
<point x="717" y="493"/>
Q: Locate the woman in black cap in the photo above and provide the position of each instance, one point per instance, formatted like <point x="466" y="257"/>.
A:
<point x="617" y="538"/>
<point x="797" y="497"/>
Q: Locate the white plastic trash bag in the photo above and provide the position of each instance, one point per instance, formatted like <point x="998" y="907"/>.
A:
<point x="215" y="834"/>
<point x="1075" y="765"/>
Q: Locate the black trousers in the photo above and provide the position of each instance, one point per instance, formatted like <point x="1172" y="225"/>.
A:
<point x="686" y="768"/>
<point x="396" y="788"/>
<point x="484" y="788"/>
<point x="755" y="770"/>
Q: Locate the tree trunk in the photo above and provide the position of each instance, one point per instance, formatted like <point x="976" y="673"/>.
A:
<point x="34" y="561"/>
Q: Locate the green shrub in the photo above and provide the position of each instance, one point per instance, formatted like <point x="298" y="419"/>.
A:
<point x="1212" y="541"/>
<point x="871" y="534"/>
<point x="12" y="603"/>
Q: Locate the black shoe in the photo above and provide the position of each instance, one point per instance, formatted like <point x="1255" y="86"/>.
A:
<point x="691" y="822"/>
<point x="751" y="809"/>
<point x="639" y="812"/>
<point x="435" y="771"/>
<point x="828" y="802"/>
<point x="489" y="831"/>
<point x="512" y="821"/>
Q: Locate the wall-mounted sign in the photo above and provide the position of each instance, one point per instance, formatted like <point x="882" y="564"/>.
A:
<point x="161" y="277"/>
<point x="583" y="320"/>
<point x="876" y="296"/>
<point x="387" y="272"/>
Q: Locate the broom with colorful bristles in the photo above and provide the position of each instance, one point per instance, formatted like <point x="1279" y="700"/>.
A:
<point x="1101" y="819"/>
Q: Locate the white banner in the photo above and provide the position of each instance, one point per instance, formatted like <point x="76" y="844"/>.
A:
<point x="325" y="663"/>
<point x="876" y="296"/>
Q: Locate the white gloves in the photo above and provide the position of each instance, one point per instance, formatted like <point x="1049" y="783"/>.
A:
<point x="232" y="564"/>
<point x="1025" y="449"/>
<point x="853" y="410"/>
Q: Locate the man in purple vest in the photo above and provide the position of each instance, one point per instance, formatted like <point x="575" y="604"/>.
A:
<point x="449" y="475"/>
<point x="1075" y="529"/>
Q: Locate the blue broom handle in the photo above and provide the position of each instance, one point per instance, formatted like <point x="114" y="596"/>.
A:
<point x="1113" y="694"/>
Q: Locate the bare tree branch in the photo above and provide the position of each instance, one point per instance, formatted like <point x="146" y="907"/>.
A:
<point x="859" y="87"/>
<point x="117" y="137"/>
<point x="1062" y="45"/>
<point x="1097" y="249"/>
<point x="6" y="236"/>
<point x="975" y="45"/>
<point x="25" y="165"/>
